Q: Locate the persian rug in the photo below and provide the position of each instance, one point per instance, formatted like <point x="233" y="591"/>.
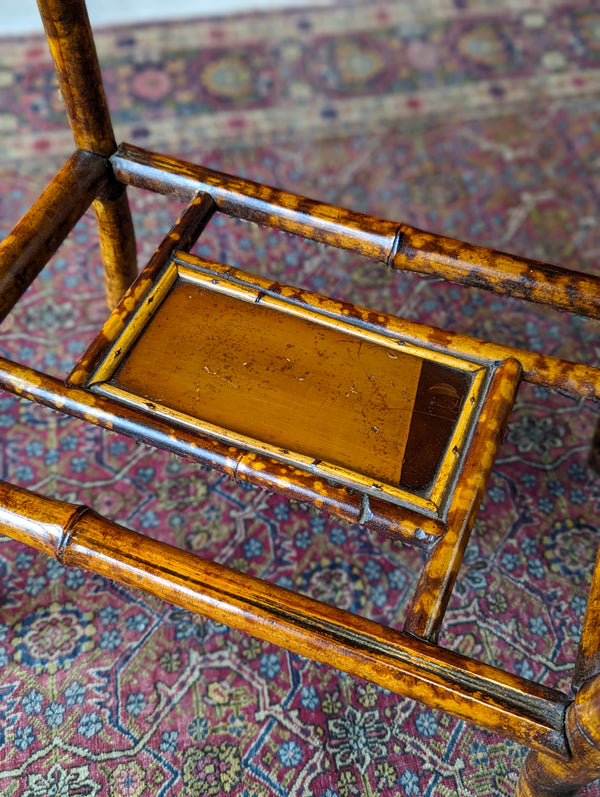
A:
<point x="471" y="118"/>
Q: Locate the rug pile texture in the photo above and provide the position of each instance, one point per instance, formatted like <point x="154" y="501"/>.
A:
<point x="472" y="118"/>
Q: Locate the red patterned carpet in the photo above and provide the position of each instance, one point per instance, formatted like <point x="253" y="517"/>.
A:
<point x="453" y="116"/>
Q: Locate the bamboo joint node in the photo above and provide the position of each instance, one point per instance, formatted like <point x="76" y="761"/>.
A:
<point x="65" y="539"/>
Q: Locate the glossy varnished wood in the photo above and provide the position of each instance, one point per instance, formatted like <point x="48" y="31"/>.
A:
<point x="182" y="236"/>
<point x="544" y="775"/>
<point x="276" y="377"/>
<point x="396" y="244"/>
<point x="306" y="382"/>
<point x="587" y="664"/>
<point x="26" y="250"/>
<point x="255" y="202"/>
<point x="117" y="241"/>
<point x="434" y="589"/>
<point x="564" y="734"/>
<point x="572" y="378"/>
<point x="79" y="537"/>
<point x="247" y="466"/>
<point x="500" y="272"/>
<point x="73" y="51"/>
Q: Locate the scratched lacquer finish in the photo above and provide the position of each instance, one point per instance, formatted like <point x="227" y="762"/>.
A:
<point x="382" y="421"/>
<point x="291" y="376"/>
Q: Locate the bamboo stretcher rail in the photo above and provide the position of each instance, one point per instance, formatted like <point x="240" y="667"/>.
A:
<point x="37" y="236"/>
<point x="434" y="589"/>
<point x="244" y="466"/>
<point x="572" y="378"/>
<point x="77" y="536"/>
<point x="398" y="245"/>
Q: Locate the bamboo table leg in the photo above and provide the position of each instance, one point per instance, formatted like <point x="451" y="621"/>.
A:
<point x="117" y="241"/>
<point x="73" y="50"/>
<point x="546" y="776"/>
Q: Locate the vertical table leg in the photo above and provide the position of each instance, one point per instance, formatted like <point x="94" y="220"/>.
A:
<point x="545" y="776"/>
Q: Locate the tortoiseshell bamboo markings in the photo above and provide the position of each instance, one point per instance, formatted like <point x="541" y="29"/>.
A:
<point x="434" y="589"/>
<point x="545" y="775"/>
<point x="245" y="466"/>
<point x="564" y="734"/>
<point x="182" y="236"/>
<point x="396" y="244"/>
<point x="79" y="537"/>
<point x="37" y="236"/>
<point x="117" y="241"/>
<point x="257" y="396"/>
<point x="587" y="664"/>
<point x="71" y="42"/>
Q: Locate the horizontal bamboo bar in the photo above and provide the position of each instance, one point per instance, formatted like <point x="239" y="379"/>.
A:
<point x="397" y="244"/>
<point x="384" y="517"/>
<point x="255" y="202"/>
<point x="568" y="377"/>
<point x="76" y="536"/>
<point x="499" y="272"/>
<point x="26" y="250"/>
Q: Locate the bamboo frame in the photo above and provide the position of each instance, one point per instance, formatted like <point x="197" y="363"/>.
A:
<point x="434" y="589"/>
<point x="71" y="43"/>
<point x="78" y="537"/>
<point x="244" y="466"/>
<point x="37" y="236"/>
<point x="182" y="236"/>
<point x="564" y="733"/>
<point x="396" y="244"/>
<point x="99" y="380"/>
<point x="127" y="322"/>
<point x="587" y="664"/>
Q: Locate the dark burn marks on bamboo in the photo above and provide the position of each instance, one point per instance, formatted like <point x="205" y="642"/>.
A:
<point x="499" y="272"/>
<point x="38" y="235"/>
<point x="398" y="245"/>
<point x="181" y="236"/>
<point x="73" y="51"/>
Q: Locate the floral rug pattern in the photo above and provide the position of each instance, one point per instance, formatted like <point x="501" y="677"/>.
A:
<point x="459" y="117"/>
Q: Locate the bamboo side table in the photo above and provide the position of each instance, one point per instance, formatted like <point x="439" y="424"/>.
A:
<point x="404" y="420"/>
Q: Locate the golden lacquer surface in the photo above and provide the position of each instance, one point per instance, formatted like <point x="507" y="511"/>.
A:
<point x="296" y="381"/>
<point x="289" y="382"/>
